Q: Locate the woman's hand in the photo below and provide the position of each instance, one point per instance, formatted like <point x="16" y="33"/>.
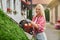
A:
<point x="34" y="24"/>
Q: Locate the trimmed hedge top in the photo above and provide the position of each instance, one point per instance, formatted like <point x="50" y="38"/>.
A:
<point x="9" y="29"/>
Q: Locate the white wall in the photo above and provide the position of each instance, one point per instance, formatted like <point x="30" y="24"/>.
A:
<point x="33" y="12"/>
<point x="0" y="3"/>
<point x="4" y="5"/>
<point x="59" y="12"/>
<point x="52" y="15"/>
<point x="16" y="17"/>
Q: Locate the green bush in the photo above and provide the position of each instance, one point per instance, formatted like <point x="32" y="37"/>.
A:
<point x="47" y="15"/>
<point x="29" y="14"/>
<point x="9" y="29"/>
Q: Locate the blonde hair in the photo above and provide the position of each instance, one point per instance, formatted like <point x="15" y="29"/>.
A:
<point x="41" y="9"/>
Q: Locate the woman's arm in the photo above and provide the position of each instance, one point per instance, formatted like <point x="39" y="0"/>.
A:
<point x="39" y="25"/>
<point x="34" y="24"/>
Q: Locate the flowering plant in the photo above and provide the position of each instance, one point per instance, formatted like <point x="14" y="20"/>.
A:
<point x="15" y="12"/>
<point x="9" y="10"/>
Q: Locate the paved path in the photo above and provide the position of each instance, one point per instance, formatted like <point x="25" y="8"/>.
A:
<point x="52" y="34"/>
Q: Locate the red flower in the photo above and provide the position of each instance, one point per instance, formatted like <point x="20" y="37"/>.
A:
<point x="8" y="10"/>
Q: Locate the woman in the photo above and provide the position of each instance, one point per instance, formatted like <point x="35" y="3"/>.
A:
<point x="38" y="22"/>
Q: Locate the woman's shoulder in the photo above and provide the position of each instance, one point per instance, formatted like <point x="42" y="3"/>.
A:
<point x="41" y="17"/>
<point x="34" y="16"/>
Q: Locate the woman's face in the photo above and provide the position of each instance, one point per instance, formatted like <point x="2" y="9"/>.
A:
<point x="38" y="11"/>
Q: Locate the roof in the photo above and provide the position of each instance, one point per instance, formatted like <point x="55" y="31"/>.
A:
<point x="53" y="3"/>
<point x="41" y="1"/>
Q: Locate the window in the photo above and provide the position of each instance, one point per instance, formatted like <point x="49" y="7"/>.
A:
<point x="1" y="6"/>
<point x="14" y="4"/>
<point x="8" y="3"/>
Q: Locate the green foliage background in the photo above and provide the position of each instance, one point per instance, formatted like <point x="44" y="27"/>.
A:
<point x="47" y="15"/>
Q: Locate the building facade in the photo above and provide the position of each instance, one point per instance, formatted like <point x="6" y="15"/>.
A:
<point x="54" y="6"/>
<point x="15" y="9"/>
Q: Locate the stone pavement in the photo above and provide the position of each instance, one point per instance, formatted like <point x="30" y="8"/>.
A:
<point x="52" y="33"/>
